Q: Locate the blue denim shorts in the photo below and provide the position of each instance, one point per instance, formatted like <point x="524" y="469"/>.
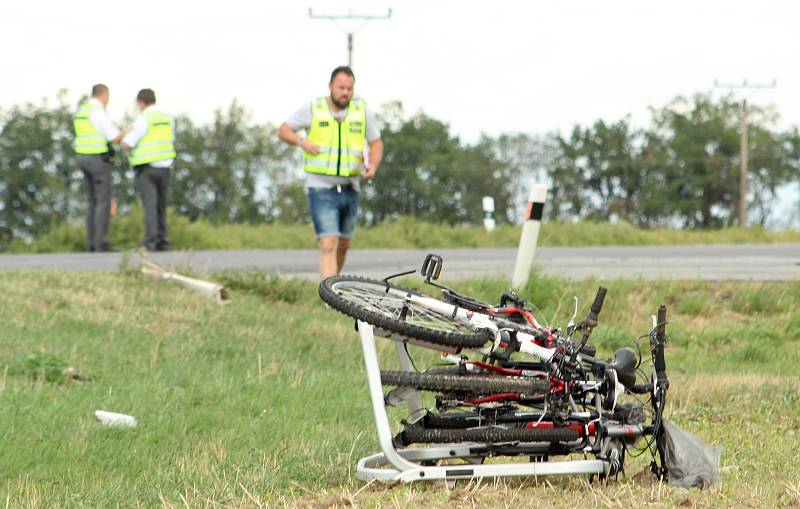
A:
<point x="334" y="213"/>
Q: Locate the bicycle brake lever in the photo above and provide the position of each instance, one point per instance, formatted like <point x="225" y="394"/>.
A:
<point x="571" y="324"/>
<point x="387" y="278"/>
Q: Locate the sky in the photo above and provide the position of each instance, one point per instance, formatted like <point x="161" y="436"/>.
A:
<point x="501" y="66"/>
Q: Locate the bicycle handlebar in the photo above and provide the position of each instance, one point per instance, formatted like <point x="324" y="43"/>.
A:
<point x="591" y="321"/>
<point x="597" y="306"/>
<point x="659" y="362"/>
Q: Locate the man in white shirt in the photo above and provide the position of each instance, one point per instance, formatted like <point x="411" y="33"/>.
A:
<point x="94" y="134"/>
<point x="151" y="141"/>
<point x="340" y="130"/>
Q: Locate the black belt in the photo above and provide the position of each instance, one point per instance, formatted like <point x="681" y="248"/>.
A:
<point x="343" y="187"/>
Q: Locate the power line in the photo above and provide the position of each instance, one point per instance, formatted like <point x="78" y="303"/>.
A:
<point x="743" y="142"/>
<point x="350" y="16"/>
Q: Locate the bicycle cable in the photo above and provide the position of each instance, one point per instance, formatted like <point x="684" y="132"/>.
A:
<point x="408" y="354"/>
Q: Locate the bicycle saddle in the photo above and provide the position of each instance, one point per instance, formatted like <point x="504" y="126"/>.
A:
<point x="625" y="360"/>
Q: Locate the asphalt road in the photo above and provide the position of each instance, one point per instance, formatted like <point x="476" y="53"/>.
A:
<point x="711" y="262"/>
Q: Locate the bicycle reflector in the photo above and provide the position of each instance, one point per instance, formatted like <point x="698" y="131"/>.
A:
<point x="432" y="267"/>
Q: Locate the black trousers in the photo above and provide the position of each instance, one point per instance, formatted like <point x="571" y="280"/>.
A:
<point x="97" y="181"/>
<point x="152" y="184"/>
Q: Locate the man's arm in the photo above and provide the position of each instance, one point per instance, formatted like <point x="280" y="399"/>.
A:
<point x="375" y="157"/>
<point x="101" y="120"/>
<point x="375" y="146"/>
<point x="133" y="134"/>
<point x="290" y="136"/>
<point x="119" y="136"/>
<point x="298" y="121"/>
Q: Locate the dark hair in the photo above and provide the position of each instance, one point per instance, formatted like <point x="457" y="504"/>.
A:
<point x="99" y="89"/>
<point x="147" y="96"/>
<point x="342" y="68"/>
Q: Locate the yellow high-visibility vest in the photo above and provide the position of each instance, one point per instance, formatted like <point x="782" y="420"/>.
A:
<point x="158" y="144"/>
<point x="88" y="139"/>
<point x="341" y="144"/>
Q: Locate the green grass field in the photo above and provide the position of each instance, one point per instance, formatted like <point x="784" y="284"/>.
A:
<point x="263" y="402"/>
<point x="127" y="231"/>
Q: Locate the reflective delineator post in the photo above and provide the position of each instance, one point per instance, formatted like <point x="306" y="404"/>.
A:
<point x="530" y="235"/>
<point x="488" y="213"/>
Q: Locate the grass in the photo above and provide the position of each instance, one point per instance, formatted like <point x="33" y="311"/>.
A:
<point x="127" y="231"/>
<point x="263" y="402"/>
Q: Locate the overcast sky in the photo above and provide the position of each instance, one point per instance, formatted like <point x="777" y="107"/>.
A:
<point x="481" y="66"/>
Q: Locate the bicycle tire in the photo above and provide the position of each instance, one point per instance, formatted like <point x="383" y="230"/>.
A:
<point x="329" y="294"/>
<point x="413" y="435"/>
<point x="473" y="420"/>
<point x="476" y="384"/>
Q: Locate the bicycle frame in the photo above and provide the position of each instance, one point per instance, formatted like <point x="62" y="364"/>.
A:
<point x="528" y="343"/>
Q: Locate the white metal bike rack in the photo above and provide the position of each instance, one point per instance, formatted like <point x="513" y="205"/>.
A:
<point x="406" y="465"/>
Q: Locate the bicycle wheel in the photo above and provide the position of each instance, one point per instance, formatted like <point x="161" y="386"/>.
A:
<point x="478" y="384"/>
<point x="415" y="435"/>
<point x="384" y="305"/>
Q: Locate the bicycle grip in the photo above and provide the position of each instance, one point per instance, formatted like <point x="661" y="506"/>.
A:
<point x="661" y="322"/>
<point x="597" y="306"/>
<point x="659" y="362"/>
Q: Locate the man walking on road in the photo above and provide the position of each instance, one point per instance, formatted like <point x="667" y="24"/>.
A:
<point x="94" y="134"/>
<point x="339" y="128"/>
<point x="152" y="142"/>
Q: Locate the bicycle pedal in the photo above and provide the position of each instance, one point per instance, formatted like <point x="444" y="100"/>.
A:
<point x="398" y="396"/>
<point x="432" y="267"/>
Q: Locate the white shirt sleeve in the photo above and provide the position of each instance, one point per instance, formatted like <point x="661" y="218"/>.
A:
<point x="137" y="132"/>
<point x="301" y="119"/>
<point x="102" y="121"/>
<point x="373" y="129"/>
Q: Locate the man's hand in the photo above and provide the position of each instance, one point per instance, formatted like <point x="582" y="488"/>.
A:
<point x="121" y="135"/>
<point x="369" y="173"/>
<point x="308" y="147"/>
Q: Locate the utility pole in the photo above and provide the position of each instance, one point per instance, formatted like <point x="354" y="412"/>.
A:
<point x="350" y="16"/>
<point x="744" y="144"/>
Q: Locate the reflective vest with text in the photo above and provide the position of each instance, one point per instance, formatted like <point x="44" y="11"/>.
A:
<point x="341" y="144"/>
<point x="88" y="139"/>
<point x="158" y="144"/>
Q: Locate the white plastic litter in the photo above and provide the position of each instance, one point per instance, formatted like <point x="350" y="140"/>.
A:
<point x="114" y="419"/>
<point x="690" y="462"/>
<point x="215" y="291"/>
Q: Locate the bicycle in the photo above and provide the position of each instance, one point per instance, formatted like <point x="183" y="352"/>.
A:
<point x="559" y="399"/>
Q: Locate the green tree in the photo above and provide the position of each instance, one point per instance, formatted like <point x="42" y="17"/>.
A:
<point x="39" y="178"/>
<point x="697" y="140"/>
<point x="230" y="170"/>
<point x="429" y="174"/>
<point x="683" y="169"/>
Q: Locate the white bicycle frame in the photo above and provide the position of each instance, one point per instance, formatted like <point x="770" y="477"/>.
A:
<point x="481" y="321"/>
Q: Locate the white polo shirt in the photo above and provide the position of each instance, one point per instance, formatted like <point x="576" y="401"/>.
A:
<point x="137" y="132"/>
<point x="101" y="120"/>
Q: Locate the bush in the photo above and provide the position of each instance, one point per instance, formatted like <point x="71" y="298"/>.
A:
<point x="127" y="230"/>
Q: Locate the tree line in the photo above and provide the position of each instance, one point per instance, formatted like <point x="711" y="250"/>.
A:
<point x="680" y="170"/>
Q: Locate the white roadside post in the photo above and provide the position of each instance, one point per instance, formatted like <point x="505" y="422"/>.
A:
<point x="488" y="213"/>
<point x="530" y="235"/>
